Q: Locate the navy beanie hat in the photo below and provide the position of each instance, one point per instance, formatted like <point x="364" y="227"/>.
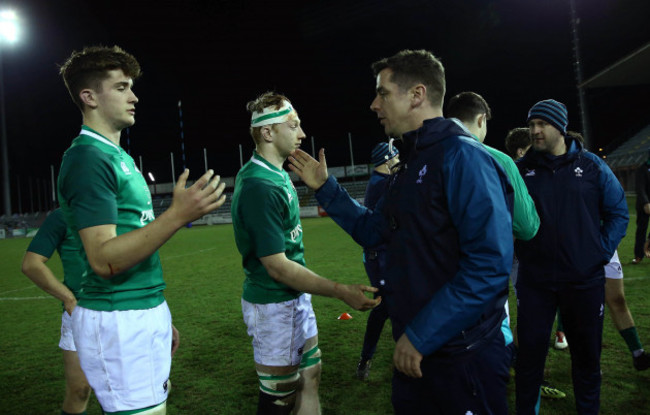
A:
<point x="551" y="111"/>
<point x="382" y="153"/>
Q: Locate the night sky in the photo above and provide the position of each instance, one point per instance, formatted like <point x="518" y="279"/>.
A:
<point x="217" y="55"/>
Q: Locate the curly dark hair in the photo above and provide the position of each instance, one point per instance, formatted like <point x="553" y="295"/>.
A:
<point x="265" y="100"/>
<point x="518" y="138"/>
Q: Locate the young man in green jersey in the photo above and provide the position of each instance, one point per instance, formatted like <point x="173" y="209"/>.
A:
<point x="276" y="301"/>
<point x="54" y="235"/>
<point x="121" y="325"/>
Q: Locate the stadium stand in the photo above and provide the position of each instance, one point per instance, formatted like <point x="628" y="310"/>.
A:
<point x="626" y="158"/>
<point x="631" y="70"/>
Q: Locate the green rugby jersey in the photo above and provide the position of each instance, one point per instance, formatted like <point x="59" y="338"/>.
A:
<point x="55" y="235"/>
<point x="99" y="184"/>
<point x="266" y="219"/>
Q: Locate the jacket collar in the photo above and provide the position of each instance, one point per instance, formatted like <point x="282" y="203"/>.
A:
<point x="575" y="148"/>
<point x="432" y="131"/>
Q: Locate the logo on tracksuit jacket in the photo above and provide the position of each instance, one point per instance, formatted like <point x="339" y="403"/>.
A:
<point x="422" y="172"/>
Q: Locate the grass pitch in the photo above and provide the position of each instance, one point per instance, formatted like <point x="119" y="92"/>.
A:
<point x="213" y="371"/>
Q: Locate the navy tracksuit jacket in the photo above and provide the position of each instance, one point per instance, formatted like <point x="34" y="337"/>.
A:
<point x="446" y="222"/>
<point x="583" y="216"/>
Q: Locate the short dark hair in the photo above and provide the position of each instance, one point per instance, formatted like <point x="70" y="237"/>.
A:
<point x="88" y="68"/>
<point x="466" y="106"/>
<point x="518" y="138"/>
<point x="265" y="100"/>
<point x="411" y="67"/>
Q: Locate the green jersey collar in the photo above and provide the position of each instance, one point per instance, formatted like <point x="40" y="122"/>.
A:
<point x="85" y="130"/>
<point x="260" y="161"/>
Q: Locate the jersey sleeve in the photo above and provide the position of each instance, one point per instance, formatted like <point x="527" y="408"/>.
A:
<point x="263" y="208"/>
<point x="49" y="235"/>
<point x="89" y="187"/>
<point x="525" y="220"/>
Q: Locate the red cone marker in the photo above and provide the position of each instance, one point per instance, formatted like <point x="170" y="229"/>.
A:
<point x="345" y="316"/>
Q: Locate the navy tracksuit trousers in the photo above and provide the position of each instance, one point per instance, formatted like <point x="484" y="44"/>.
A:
<point x="582" y="310"/>
<point x="471" y="383"/>
<point x="375" y="263"/>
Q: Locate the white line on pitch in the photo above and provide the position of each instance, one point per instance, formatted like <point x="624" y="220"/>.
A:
<point x="188" y="254"/>
<point x="25" y="298"/>
<point x="18" y="289"/>
<point x="635" y="278"/>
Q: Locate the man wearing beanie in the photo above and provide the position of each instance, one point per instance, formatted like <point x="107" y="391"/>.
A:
<point x="384" y="156"/>
<point x="583" y="218"/>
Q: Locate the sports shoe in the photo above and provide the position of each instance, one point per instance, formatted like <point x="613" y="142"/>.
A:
<point x="560" y="341"/>
<point x="549" y="392"/>
<point x="642" y="361"/>
<point x="636" y="261"/>
<point x="363" y="369"/>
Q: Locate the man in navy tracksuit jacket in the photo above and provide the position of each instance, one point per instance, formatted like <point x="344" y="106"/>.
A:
<point x="583" y="216"/>
<point x="446" y="223"/>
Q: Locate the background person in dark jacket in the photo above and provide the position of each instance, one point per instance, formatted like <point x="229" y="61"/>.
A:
<point x="384" y="156"/>
<point x="583" y="216"/>
<point x="642" y="209"/>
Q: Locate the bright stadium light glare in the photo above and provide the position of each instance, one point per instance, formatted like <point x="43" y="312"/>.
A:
<point x="151" y="177"/>
<point x="8" y="35"/>
<point x="8" y="26"/>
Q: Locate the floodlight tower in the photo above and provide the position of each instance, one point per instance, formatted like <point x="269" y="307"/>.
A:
<point x="8" y="35"/>
<point x="584" y="118"/>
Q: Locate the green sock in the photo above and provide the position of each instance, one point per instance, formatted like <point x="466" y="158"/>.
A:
<point x="631" y="338"/>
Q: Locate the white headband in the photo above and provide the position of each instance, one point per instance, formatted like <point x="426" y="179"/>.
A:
<point x="270" y="115"/>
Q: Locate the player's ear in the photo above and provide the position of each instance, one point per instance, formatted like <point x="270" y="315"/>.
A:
<point x="418" y="95"/>
<point x="88" y="97"/>
<point x="480" y="120"/>
<point x="266" y="133"/>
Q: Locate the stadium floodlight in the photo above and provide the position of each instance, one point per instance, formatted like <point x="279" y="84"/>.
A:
<point x="8" y="26"/>
<point x="153" y="180"/>
<point x="8" y="34"/>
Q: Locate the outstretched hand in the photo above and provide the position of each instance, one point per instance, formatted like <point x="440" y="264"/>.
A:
<point x="310" y="171"/>
<point x="204" y="196"/>
<point x="354" y="296"/>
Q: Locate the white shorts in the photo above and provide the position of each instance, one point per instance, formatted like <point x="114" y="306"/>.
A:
<point x="126" y="355"/>
<point x="280" y="330"/>
<point x="613" y="269"/>
<point x="67" y="340"/>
